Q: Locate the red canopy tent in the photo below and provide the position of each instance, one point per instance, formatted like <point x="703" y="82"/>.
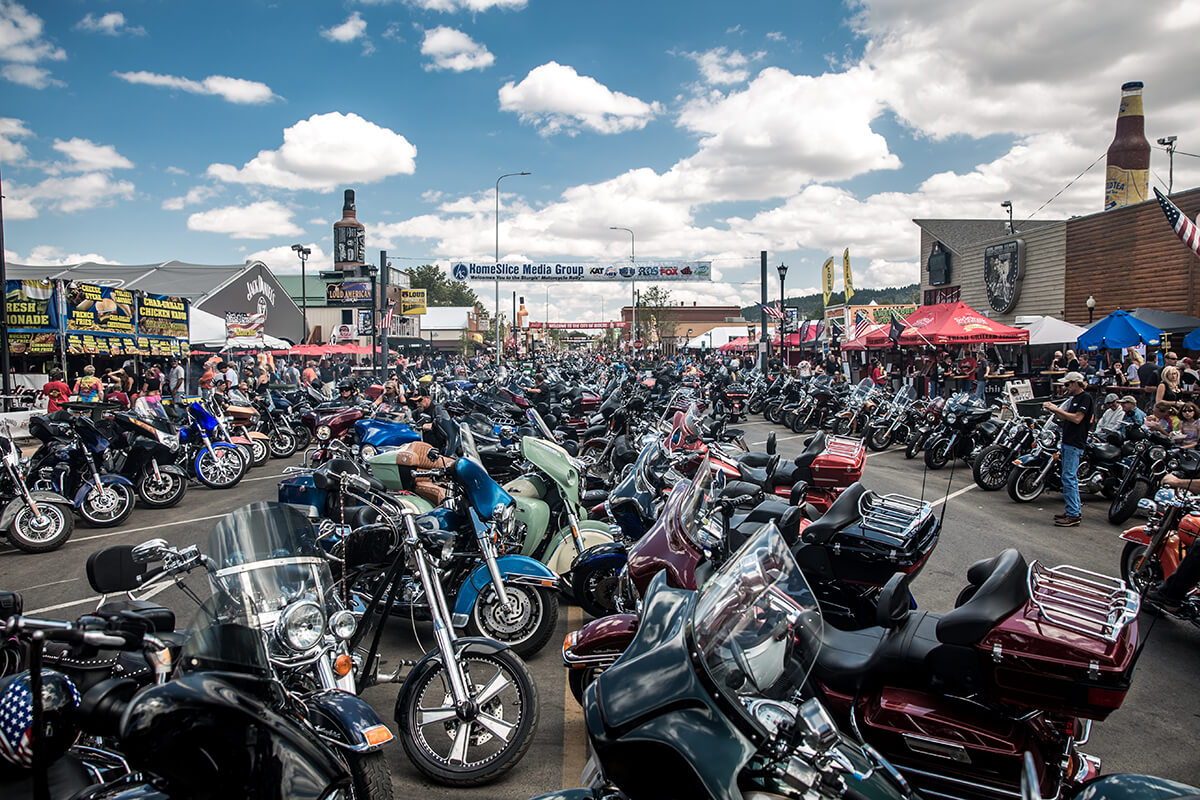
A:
<point x="949" y="323"/>
<point x="740" y="343"/>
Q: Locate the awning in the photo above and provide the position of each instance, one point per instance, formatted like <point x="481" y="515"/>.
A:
<point x="1049" y="330"/>
<point x="949" y="323"/>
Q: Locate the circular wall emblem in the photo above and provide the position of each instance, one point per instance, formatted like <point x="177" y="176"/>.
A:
<point x="460" y="272"/>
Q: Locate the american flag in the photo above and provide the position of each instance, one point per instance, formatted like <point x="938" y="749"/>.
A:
<point x="771" y="311"/>
<point x="16" y="717"/>
<point x="385" y="324"/>
<point x="1184" y="228"/>
<point x="862" y="324"/>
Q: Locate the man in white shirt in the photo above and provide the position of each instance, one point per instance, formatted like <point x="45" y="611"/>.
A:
<point x="1113" y="417"/>
<point x="175" y="382"/>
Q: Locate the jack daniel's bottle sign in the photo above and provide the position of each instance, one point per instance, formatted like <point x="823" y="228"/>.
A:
<point x="349" y="237"/>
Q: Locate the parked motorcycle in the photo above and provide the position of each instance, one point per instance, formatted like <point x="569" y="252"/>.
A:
<point x="33" y="520"/>
<point x="216" y="463"/>
<point x="145" y="448"/>
<point x="967" y="426"/>
<point x="69" y="462"/>
<point x="1141" y="469"/>
<point x="1041" y="468"/>
<point x="921" y="434"/>
<point x="990" y="468"/>
<point x="895" y="422"/>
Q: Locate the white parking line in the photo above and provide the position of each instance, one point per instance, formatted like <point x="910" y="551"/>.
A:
<point x="89" y="600"/>
<point x="147" y="528"/>
<point x="955" y="494"/>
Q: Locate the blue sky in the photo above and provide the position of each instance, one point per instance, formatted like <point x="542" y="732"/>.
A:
<point x="210" y="132"/>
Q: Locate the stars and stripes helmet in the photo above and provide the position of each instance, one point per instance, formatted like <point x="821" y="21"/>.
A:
<point x="60" y="702"/>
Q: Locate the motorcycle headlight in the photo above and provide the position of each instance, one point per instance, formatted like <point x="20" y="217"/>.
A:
<point x="324" y="432"/>
<point x="168" y="440"/>
<point x="1047" y="438"/>
<point x="951" y="418"/>
<point x="301" y="625"/>
<point x="342" y="624"/>
<point x="506" y="518"/>
<point x="1157" y="453"/>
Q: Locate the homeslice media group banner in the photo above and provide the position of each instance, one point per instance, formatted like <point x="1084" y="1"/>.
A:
<point x="672" y="271"/>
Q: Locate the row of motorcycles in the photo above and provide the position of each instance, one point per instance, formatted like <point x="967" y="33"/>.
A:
<point x="755" y="635"/>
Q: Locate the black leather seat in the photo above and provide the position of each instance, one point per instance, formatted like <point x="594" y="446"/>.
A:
<point x="1102" y="451"/>
<point x="802" y="470"/>
<point x="768" y="510"/>
<point x="593" y="497"/>
<point x="843" y="513"/>
<point x="1002" y="590"/>
<point x="760" y="475"/>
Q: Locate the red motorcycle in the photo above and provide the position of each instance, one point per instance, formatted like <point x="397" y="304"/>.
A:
<point x="329" y="426"/>
<point x="847" y="557"/>
<point x="1028" y="658"/>
<point x="1155" y="550"/>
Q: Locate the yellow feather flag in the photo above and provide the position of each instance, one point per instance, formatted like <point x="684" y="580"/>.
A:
<point x="827" y="279"/>
<point x="849" y="279"/>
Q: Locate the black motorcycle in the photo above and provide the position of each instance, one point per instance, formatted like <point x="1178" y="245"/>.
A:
<point x="70" y="462"/>
<point x="1141" y="469"/>
<point x="991" y="466"/>
<point x="144" y="446"/>
<point x="966" y="427"/>
<point x="896" y="422"/>
<point x="1041" y="468"/>
<point x="34" y="521"/>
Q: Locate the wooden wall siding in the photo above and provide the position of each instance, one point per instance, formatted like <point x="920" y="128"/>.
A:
<point x="1041" y="286"/>
<point x="1130" y="258"/>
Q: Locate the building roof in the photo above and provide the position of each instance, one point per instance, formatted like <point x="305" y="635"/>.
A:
<point x="314" y="287"/>
<point x="193" y="281"/>
<point x="446" y="318"/>
<point x="958" y="234"/>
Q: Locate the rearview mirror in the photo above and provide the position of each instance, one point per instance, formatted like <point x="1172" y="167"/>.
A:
<point x="148" y="550"/>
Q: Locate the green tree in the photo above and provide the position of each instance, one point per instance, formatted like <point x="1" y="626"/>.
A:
<point x="656" y="309"/>
<point x="440" y="290"/>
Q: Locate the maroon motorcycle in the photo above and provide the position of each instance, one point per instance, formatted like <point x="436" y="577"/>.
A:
<point x="329" y="426"/>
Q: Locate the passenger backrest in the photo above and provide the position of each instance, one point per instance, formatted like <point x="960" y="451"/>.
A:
<point x="1002" y="592"/>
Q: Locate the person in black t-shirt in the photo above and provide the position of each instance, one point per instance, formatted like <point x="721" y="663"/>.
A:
<point x="1075" y="417"/>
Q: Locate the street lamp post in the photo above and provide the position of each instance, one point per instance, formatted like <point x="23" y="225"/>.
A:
<point x="1091" y="306"/>
<point x="303" y="252"/>
<point x="633" y="288"/>
<point x="1169" y="143"/>
<point x="783" y="319"/>
<point x="502" y="177"/>
<point x="1008" y="204"/>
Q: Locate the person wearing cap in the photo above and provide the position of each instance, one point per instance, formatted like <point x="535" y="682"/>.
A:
<point x="1075" y="417"/>
<point x="1113" y="418"/>
<point x="1134" y="416"/>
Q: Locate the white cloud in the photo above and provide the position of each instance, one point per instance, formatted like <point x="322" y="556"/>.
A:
<point x="452" y="6"/>
<point x="194" y="196"/>
<point x="110" y="24"/>
<point x="29" y="75"/>
<point x="260" y="220"/>
<point x="87" y="156"/>
<point x="175" y="171"/>
<point x="45" y="255"/>
<point x="326" y="151"/>
<point x="454" y="50"/>
<point x="776" y="36"/>
<point x="353" y="28"/>
<point x="21" y="36"/>
<point x="76" y="193"/>
<point x="234" y="90"/>
<point x="283" y="260"/>
<point x="13" y="152"/>
<point x="723" y="66"/>
<point x="557" y="99"/>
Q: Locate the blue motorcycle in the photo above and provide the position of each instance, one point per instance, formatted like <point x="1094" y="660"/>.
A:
<point x="377" y="433"/>
<point x="69" y="464"/>
<point x="215" y="463"/>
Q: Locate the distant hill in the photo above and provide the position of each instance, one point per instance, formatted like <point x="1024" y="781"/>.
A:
<point x="811" y="305"/>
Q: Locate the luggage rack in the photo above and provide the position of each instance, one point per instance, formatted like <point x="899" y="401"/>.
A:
<point x="844" y="446"/>
<point x="893" y="515"/>
<point x="1083" y="601"/>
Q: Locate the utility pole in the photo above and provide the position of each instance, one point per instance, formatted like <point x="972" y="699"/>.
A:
<point x="762" y="348"/>
<point x="6" y="386"/>
<point x="384" y="269"/>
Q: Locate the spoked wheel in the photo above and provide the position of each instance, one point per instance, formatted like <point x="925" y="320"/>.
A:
<point x="1125" y="504"/>
<point x="915" y="443"/>
<point x="1025" y="485"/>
<point x="161" y="492"/>
<point x="108" y="505"/>
<point x="800" y="421"/>
<point x="220" y="467"/>
<point x="879" y="439"/>
<point x="938" y="453"/>
<point x="497" y="729"/>
<point x="46" y="530"/>
<point x="991" y="468"/>
<point x="303" y="436"/>
<point x="1138" y="571"/>
<point x="260" y="451"/>
<point x="283" y="444"/>
<point x="525" y="624"/>
<point x="595" y="587"/>
<point x="844" y="426"/>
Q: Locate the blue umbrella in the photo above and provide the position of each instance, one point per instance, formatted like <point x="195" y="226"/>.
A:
<point x="1119" y="329"/>
<point x="1192" y="340"/>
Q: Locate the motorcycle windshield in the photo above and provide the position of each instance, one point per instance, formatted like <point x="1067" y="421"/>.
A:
<point x="223" y="638"/>
<point x="906" y="397"/>
<point x="692" y="421"/>
<point x="864" y="388"/>
<point x="541" y="425"/>
<point x="149" y="409"/>
<point x="266" y="560"/>
<point x="757" y="625"/>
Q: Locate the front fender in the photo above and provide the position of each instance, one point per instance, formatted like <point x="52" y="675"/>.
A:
<point x="433" y="660"/>
<point x="605" y="636"/>
<point x="606" y="551"/>
<point x="514" y="569"/>
<point x="173" y="469"/>
<point x="17" y="503"/>
<point x="87" y="486"/>
<point x="1030" y="460"/>
<point x="347" y="721"/>
<point x="1136" y="534"/>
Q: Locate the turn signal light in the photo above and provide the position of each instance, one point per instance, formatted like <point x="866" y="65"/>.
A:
<point x="377" y="735"/>
<point x="342" y="665"/>
<point x="1105" y="698"/>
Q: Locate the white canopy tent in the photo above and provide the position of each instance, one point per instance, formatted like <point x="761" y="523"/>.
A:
<point x="1049" y="330"/>
<point x="208" y="330"/>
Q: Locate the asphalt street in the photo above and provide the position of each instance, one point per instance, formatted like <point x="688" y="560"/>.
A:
<point x="1153" y="732"/>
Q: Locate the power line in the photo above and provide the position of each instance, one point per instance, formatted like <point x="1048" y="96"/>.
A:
<point x="1068" y="186"/>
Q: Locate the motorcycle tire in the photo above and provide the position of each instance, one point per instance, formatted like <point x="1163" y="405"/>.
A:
<point x="916" y="443"/>
<point x="431" y="754"/>
<point x="579" y="679"/>
<point x="800" y="421"/>
<point x="220" y="467"/>
<point x="283" y="444"/>
<point x="108" y="506"/>
<point x="879" y="439"/>
<point x="991" y="467"/>
<point x="370" y="775"/>
<point x="594" y="587"/>
<point x="303" y="436"/>
<point x="937" y="454"/>
<point x="1125" y="504"/>
<point x="260" y="452"/>
<point x="246" y="454"/>
<point x="525" y="625"/>
<point x="50" y="532"/>
<point x="1020" y="488"/>
<point x="756" y="407"/>
<point x="164" y="493"/>
<point x="844" y="426"/>
<point x="1150" y="573"/>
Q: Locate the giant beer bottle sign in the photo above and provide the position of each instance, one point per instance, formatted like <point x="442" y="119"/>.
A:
<point x="1127" y="170"/>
